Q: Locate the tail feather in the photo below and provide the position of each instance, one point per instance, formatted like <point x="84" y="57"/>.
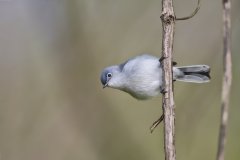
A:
<point x="195" y="68"/>
<point x="195" y="74"/>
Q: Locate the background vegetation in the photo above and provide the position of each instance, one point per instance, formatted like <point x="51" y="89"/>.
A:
<point x="53" y="107"/>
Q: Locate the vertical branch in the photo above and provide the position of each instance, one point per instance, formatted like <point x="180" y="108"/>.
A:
<point x="168" y="19"/>
<point x="227" y="77"/>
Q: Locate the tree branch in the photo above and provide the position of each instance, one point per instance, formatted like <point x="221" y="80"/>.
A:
<point x="193" y="14"/>
<point x="168" y="22"/>
<point x="157" y="122"/>
<point x="227" y="77"/>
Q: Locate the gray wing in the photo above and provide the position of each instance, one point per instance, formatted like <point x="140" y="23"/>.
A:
<point x="121" y="66"/>
<point x="143" y="56"/>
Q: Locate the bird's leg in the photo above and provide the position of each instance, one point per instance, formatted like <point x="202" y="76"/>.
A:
<point x="156" y="123"/>
<point x="162" y="58"/>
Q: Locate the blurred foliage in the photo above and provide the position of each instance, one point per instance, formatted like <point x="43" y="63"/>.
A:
<point x="52" y="105"/>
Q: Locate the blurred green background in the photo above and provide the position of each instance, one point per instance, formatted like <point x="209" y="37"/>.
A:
<point x="53" y="107"/>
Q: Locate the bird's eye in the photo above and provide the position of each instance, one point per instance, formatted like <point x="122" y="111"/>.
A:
<point x="109" y="75"/>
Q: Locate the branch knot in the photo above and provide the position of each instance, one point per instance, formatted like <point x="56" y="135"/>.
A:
<point x="167" y="18"/>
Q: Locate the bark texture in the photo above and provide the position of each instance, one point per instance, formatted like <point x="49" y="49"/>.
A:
<point x="168" y="22"/>
<point x="227" y="77"/>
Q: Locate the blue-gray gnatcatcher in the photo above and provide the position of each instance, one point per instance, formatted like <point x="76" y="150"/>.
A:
<point x="141" y="76"/>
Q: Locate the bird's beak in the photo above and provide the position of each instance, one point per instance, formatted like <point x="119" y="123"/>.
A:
<point x="105" y="85"/>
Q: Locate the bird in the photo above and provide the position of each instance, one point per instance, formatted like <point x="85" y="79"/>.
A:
<point x="141" y="76"/>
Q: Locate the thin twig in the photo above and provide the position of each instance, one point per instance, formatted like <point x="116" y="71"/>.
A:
<point x="227" y="77"/>
<point x="168" y="19"/>
<point x="192" y="15"/>
<point x="156" y="123"/>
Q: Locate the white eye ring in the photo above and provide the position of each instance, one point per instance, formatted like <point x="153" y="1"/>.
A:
<point x="109" y="75"/>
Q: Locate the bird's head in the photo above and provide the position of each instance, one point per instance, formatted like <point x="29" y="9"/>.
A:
<point x="111" y="77"/>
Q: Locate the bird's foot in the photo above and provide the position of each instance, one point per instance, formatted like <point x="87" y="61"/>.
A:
<point x="174" y="63"/>
<point x="163" y="90"/>
<point x="162" y="58"/>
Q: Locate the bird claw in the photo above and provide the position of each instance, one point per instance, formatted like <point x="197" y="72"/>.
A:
<point x="174" y="63"/>
<point x="162" y="58"/>
<point x="163" y="90"/>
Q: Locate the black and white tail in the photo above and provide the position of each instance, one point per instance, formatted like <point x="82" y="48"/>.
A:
<point x="194" y="73"/>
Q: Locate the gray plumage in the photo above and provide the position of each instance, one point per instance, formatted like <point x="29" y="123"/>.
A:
<point x="141" y="76"/>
